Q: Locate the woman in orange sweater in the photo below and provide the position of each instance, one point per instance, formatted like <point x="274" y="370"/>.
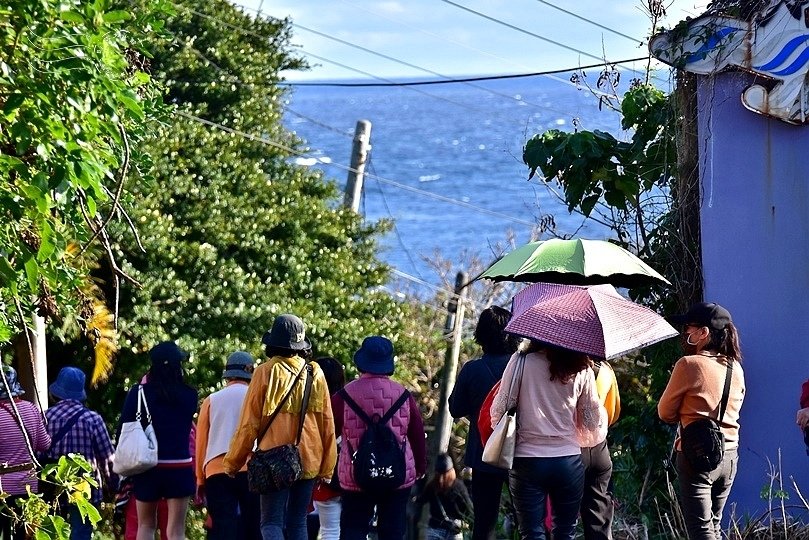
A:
<point x="694" y="392"/>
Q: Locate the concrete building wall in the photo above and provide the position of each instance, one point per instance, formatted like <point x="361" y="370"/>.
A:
<point x="755" y="244"/>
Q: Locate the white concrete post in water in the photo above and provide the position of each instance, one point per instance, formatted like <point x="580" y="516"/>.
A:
<point x="359" y="157"/>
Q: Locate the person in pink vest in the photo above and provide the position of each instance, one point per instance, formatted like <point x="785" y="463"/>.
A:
<point x="380" y="406"/>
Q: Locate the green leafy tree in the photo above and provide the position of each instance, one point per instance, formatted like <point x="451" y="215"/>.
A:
<point x="74" y="105"/>
<point x="233" y="231"/>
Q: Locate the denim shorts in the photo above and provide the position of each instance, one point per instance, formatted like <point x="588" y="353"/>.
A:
<point x="164" y="483"/>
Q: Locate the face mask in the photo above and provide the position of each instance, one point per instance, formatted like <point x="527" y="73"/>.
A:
<point x="689" y="346"/>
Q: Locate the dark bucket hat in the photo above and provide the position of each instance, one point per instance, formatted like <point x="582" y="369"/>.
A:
<point x="704" y="314"/>
<point x="375" y="356"/>
<point x="13" y="384"/>
<point x="287" y="332"/>
<point x="239" y="366"/>
<point x="69" y="384"/>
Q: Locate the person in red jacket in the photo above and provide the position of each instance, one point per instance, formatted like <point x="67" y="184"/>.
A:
<point x="376" y="396"/>
<point x="803" y="414"/>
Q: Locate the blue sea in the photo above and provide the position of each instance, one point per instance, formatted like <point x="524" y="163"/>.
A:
<point x="446" y="162"/>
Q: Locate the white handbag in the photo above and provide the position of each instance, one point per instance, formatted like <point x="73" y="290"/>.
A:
<point x="499" y="449"/>
<point x="136" y="451"/>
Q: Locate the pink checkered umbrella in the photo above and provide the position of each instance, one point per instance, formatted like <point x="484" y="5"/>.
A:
<point x="595" y="320"/>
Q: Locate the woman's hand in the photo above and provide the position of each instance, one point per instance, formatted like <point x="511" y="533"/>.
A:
<point x="803" y="418"/>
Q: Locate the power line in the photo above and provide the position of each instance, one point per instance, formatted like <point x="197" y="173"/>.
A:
<point x="408" y="64"/>
<point x="467" y="79"/>
<point x="344" y="133"/>
<point x="395" y="226"/>
<point x="590" y="21"/>
<point x="321" y="58"/>
<point x="355" y="70"/>
<point x="526" y="32"/>
<point x="382" y="179"/>
<point x="550" y="75"/>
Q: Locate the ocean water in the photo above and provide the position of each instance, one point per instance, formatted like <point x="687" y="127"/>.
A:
<point x="446" y="161"/>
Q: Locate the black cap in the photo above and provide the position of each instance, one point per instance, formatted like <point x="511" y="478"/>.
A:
<point x="443" y="463"/>
<point x="705" y="314"/>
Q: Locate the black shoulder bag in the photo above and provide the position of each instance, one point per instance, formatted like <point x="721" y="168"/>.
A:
<point x="278" y="468"/>
<point x="701" y="441"/>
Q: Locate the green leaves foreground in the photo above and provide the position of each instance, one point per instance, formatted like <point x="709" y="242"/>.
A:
<point x="72" y="478"/>
<point x="590" y="165"/>
<point x="74" y="103"/>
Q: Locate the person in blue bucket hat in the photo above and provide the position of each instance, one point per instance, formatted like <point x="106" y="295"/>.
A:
<point x="14" y="449"/>
<point x="375" y="395"/>
<point x="75" y="429"/>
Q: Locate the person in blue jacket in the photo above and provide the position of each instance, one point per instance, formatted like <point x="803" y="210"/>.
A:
<point x="476" y="379"/>
<point x="172" y="404"/>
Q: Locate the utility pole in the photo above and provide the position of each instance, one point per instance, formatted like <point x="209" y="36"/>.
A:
<point x="687" y="195"/>
<point x="454" y="324"/>
<point x="32" y="365"/>
<point x="359" y="156"/>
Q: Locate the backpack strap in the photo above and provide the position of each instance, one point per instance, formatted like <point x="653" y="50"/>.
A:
<point x="364" y="416"/>
<point x="395" y="407"/>
<point x="354" y="407"/>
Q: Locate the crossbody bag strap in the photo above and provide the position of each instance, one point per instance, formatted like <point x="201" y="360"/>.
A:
<point x="307" y="391"/>
<point x="489" y="369"/>
<point x="67" y="427"/>
<point x="281" y="403"/>
<point x="723" y="405"/>
<point x="516" y="381"/>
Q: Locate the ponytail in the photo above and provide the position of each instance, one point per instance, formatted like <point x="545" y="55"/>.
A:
<point x="726" y="342"/>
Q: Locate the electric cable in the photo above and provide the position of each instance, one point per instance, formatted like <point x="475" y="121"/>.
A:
<point x="321" y="58"/>
<point x="413" y="66"/>
<point x="382" y="179"/>
<point x="529" y="33"/>
<point x="550" y="75"/>
<point x="467" y="79"/>
<point x="594" y="23"/>
<point x="393" y="220"/>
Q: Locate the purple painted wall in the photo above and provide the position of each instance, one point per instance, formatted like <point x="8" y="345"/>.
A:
<point x="755" y="245"/>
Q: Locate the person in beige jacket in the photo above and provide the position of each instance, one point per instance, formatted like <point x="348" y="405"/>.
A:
<point x="694" y="392"/>
<point x="283" y="513"/>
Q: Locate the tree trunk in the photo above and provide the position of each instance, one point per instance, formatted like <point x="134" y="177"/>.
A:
<point x="687" y="195"/>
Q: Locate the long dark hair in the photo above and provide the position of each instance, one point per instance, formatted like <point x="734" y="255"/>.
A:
<point x="166" y="377"/>
<point x="725" y="342"/>
<point x="564" y="363"/>
<point x="333" y="372"/>
<point x="489" y="332"/>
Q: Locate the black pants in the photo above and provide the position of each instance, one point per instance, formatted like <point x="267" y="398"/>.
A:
<point x="596" y="505"/>
<point x="358" y="511"/>
<point x="486" y="490"/>
<point x="233" y="508"/>
<point x="532" y="480"/>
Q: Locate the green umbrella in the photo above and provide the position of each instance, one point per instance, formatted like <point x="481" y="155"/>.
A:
<point x="574" y="262"/>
